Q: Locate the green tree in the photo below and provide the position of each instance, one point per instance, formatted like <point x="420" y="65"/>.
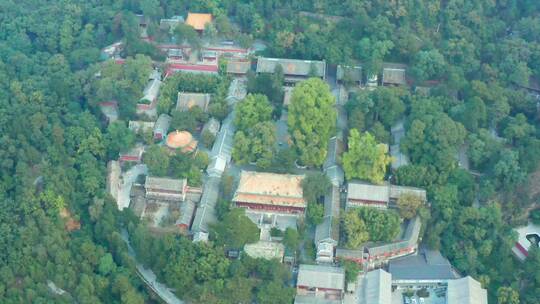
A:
<point x="315" y="186"/>
<point x="507" y="295"/>
<point x="106" y="264"/>
<point x="428" y="65"/>
<point x="408" y="205"/>
<point x="315" y="213"/>
<point x="291" y="238"/>
<point x="352" y="269"/>
<point x="356" y="232"/>
<point x="118" y="139"/>
<point x="157" y="159"/>
<point x="236" y="229"/>
<point x="312" y="120"/>
<point x="252" y="110"/>
<point x="257" y="146"/>
<point x="365" y="158"/>
<point x="275" y="292"/>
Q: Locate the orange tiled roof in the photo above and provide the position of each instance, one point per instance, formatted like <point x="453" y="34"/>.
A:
<point x="270" y="189"/>
<point x="198" y="21"/>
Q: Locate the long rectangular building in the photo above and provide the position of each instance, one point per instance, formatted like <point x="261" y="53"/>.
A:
<point x="270" y="192"/>
<point x="294" y="70"/>
<point x="318" y="282"/>
<point x="361" y="194"/>
<point x="165" y="189"/>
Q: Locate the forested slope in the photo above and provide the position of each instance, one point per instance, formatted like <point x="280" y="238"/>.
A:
<point x="476" y="56"/>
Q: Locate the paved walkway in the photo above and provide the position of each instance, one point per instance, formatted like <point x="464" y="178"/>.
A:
<point x="149" y="277"/>
<point x="128" y="178"/>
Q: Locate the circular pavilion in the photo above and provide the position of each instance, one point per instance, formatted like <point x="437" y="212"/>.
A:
<point x="181" y="140"/>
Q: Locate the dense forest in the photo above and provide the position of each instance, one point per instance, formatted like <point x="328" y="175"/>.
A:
<point x="57" y="227"/>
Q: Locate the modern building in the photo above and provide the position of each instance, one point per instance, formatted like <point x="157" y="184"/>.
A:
<point x="427" y="278"/>
<point x="198" y="21"/>
<point x="181" y="140"/>
<point x="528" y="237"/>
<point x="294" y="70"/>
<point x="394" y="74"/>
<point x="320" y="284"/>
<point x="186" y="101"/>
<point x="161" y="126"/>
<point x="165" y="189"/>
<point x="375" y="287"/>
<point x="351" y="74"/>
<point x="360" y="194"/>
<point x="270" y="198"/>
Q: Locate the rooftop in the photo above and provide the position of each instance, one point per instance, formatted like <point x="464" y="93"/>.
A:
<point x="186" y="101"/>
<point x="238" y="66"/>
<point x="181" y="140"/>
<point x="376" y="287"/>
<point x="321" y="276"/>
<point x="294" y="67"/>
<point x="394" y="73"/>
<point x="198" y="21"/>
<point x="162" y="183"/>
<point x="270" y="188"/>
<point x="265" y="250"/>
<point x="466" y="291"/>
<point x="427" y="265"/>
<point x="354" y="72"/>
<point x="361" y="191"/>
<point x="162" y="123"/>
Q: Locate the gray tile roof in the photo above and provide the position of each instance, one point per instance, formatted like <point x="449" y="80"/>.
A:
<point x="321" y="276"/>
<point x="238" y="66"/>
<point x="186" y="213"/>
<point x="205" y="214"/>
<point x="167" y="184"/>
<point x="362" y="191"/>
<point x="394" y="73"/>
<point x="293" y="67"/>
<point x="427" y="265"/>
<point x="162" y="124"/>
<point x="354" y="71"/>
